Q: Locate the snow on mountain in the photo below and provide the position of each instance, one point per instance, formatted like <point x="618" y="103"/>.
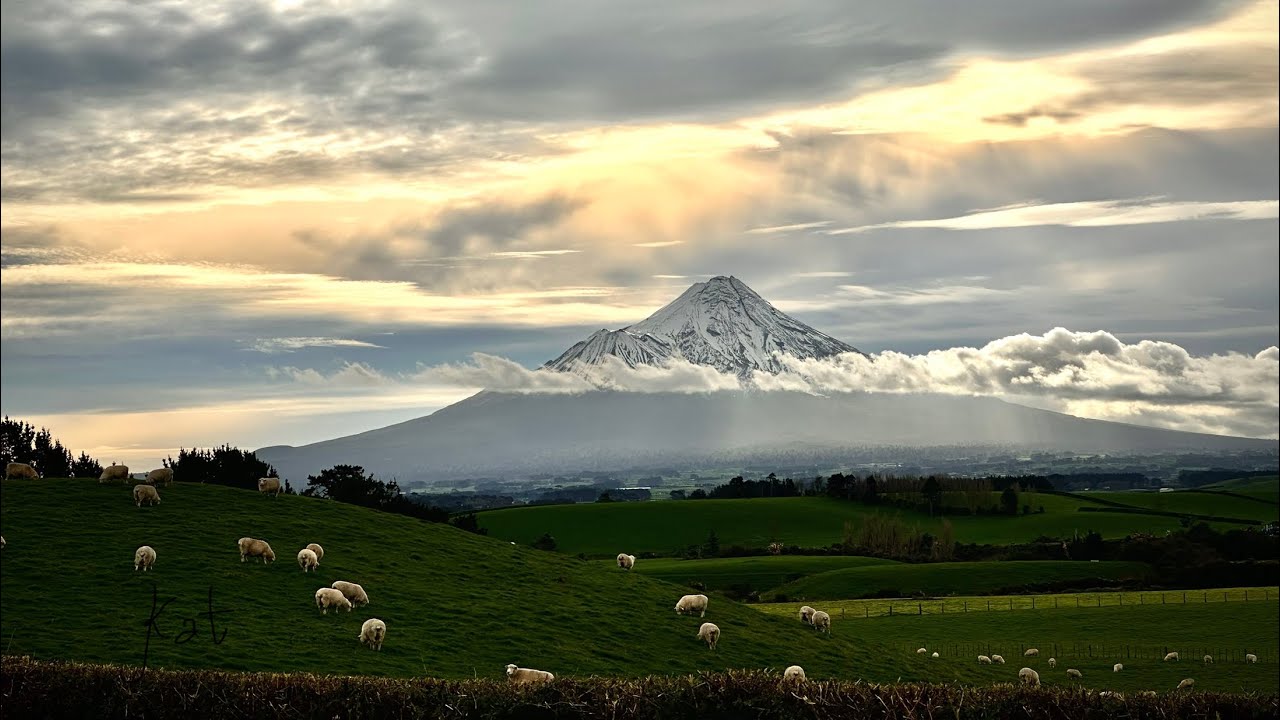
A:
<point x="720" y="322"/>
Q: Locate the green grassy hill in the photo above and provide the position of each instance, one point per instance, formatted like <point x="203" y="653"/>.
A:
<point x="959" y="578"/>
<point x="1264" y="488"/>
<point x="455" y="604"/>
<point x="757" y="573"/>
<point x="606" y="529"/>
<point x="1195" y="503"/>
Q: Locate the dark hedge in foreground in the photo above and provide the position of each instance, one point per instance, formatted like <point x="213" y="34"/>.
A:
<point x="32" y="688"/>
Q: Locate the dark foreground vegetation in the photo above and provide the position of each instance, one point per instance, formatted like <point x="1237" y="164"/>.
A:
<point x="31" y="688"/>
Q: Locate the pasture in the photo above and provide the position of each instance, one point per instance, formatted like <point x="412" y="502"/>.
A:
<point x="756" y="573"/>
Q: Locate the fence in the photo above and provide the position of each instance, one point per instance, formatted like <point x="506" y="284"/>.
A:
<point x="1118" y="652"/>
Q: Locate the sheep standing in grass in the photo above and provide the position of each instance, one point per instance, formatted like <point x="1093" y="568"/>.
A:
<point x="1074" y="673"/>
<point x="795" y="672"/>
<point x="160" y="476"/>
<point x="528" y="675"/>
<point x="710" y="632"/>
<point x="329" y="598"/>
<point x="1249" y="658"/>
<point x="114" y="472"/>
<point x="1031" y="652"/>
<point x="1029" y="677"/>
<point x="691" y="604"/>
<point x="1186" y="684"/>
<point x="351" y="591"/>
<point x="1117" y="667"/>
<point x="2" y="543"/>
<point x="147" y="493"/>
<point x="21" y="471"/>
<point x="997" y="659"/>
<point x="806" y="614"/>
<point x="307" y="560"/>
<point x="1171" y="656"/>
<point x="315" y="548"/>
<point x="1208" y="659"/>
<point x="251" y="547"/>
<point x="921" y="651"/>
<point x="935" y="655"/>
<point x="984" y="660"/>
<point x="625" y="561"/>
<point x="1053" y="662"/>
<point x="270" y="486"/>
<point x="144" y="558"/>
<point x="822" y="621"/>
<point x="372" y="633"/>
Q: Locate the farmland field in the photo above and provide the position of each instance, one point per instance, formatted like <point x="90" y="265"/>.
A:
<point x="758" y="573"/>
<point x="1197" y="503"/>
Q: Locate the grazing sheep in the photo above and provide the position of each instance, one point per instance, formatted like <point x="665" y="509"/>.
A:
<point x="625" y="561"/>
<point x="997" y="659"/>
<point x="21" y="471"/>
<point x="935" y="655"/>
<point x="984" y="660"/>
<point x="691" y="604"/>
<point x="372" y="633"/>
<point x="114" y="472"/>
<point x="351" y="591"/>
<point x="1249" y="658"/>
<point x="1171" y="656"/>
<point x="1053" y="662"/>
<point x="711" y="633"/>
<point x="795" y="672"/>
<point x="528" y="675"/>
<point x="1117" y="667"/>
<point x="144" y="558"/>
<point x="329" y="598"/>
<point x="145" y="492"/>
<point x="806" y="614"/>
<point x="2" y="543"/>
<point x="1029" y="677"/>
<point x="250" y="547"/>
<point x="1186" y="684"/>
<point x="307" y="560"/>
<point x="822" y="621"/>
<point x="269" y="486"/>
<point x="1074" y="673"/>
<point x="1208" y="659"/>
<point x="160" y="476"/>
<point x="921" y="651"/>
<point x="1031" y="652"/>
<point x="315" y="548"/>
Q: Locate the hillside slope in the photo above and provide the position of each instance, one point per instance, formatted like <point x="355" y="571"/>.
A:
<point x="456" y="604"/>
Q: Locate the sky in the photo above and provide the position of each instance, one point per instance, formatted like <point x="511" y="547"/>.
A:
<point x="279" y="222"/>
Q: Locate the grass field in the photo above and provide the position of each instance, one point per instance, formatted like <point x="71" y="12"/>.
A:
<point x="757" y="573"/>
<point x="1264" y="488"/>
<point x="957" y="578"/>
<point x="606" y="529"/>
<point x="1196" y="503"/>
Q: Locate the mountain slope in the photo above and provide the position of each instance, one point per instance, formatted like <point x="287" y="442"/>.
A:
<point x="721" y="323"/>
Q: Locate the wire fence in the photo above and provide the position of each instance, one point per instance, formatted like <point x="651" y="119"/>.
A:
<point x="1192" y="655"/>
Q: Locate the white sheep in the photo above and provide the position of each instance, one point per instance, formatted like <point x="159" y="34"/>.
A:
<point x="147" y="493"/>
<point x="1031" y="652"/>
<point x="997" y="659"/>
<point x="822" y="621"/>
<point x="160" y="476"/>
<point x="21" y="471"/>
<point x="307" y="560"/>
<point x="625" y="561"/>
<point x="692" y="604"/>
<point x="794" y="672"/>
<point x="984" y="660"/>
<point x="1029" y="677"/>
<point x="528" y="675"/>
<point x="329" y="598"/>
<point x="1053" y="662"/>
<point x="921" y="651"/>
<point x="1186" y="684"/>
<point x="269" y="486"/>
<point x="806" y="614"/>
<point x="144" y="558"/>
<point x="1208" y="659"/>
<point x="1111" y="694"/>
<point x="114" y="472"/>
<point x="1117" y="667"/>
<point x="351" y="591"/>
<point x="315" y="548"/>
<point x="1171" y="656"/>
<point x="709" y="632"/>
<point x="1249" y="658"/>
<point x="250" y="547"/>
<point x="935" y="655"/>
<point x="1074" y="673"/>
<point x="2" y="543"/>
<point x="372" y="632"/>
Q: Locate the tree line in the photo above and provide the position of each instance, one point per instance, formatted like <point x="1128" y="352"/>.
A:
<point x="22" y="442"/>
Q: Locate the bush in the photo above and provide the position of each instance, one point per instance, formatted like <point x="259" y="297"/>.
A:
<point x="546" y="542"/>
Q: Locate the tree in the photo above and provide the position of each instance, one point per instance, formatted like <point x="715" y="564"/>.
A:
<point x="1009" y="500"/>
<point x="711" y="548"/>
<point x="470" y="523"/>
<point x="698" y="494"/>
<point x="677" y="495"/>
<point x="871" y="495"/>
<point x="945" y="544"/>
<point x="604" y="497"/>
<point x="932" y="492"/>
<point x="225" y="465"/>
<point x="546" y="542"/>
<point x="86" y="467"/>
<point x="350" y="484"/>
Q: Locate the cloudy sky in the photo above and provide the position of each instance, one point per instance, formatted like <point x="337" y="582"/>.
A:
<point x="278" y="222"/>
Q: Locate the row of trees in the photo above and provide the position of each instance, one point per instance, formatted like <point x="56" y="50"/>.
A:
<point x="224" y="465"/>
<point x="22" y="442"/>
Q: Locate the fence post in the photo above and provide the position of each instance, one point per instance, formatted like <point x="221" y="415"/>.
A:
<point x="1204" y="597"/>
<point x="988" y="605"/>
<point x="966" y="606"/>
<point x="919" y="608"/>
<point x="890" y="609"/>
<point x="1011" y="603"/>
<point x="1033" y="602"/>
<point x="1139" y="598"/>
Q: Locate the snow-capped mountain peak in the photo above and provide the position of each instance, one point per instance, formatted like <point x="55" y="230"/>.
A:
<point x="720" y="322"/>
